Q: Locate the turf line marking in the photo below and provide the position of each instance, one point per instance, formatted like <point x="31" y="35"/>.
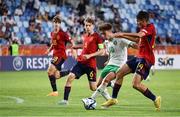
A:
<point x="18" y="100"/>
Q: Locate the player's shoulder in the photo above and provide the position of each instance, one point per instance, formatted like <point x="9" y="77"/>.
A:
<point x="62" y="32"/>
<point x="151" y="25"/>
<point x="96" y="34"/>
<point x="119" y="40"/>
<point x="123" y="41"/>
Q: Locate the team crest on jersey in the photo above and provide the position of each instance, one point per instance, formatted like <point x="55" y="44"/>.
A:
<point x="115" y="42"/>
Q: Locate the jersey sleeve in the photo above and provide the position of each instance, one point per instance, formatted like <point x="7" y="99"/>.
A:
<point x="100" y="42"/>
<point x="148" y="30"/>
<point x="125" y="42"/>
<point x="67" y="38"/>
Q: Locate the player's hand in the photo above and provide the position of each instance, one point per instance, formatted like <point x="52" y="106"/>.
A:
<point x="87" y="56"/>
<point x="47" y="52"/>
<point x="119" y="34"/>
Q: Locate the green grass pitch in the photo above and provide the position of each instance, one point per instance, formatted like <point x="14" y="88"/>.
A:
<point x="33" y="86"/>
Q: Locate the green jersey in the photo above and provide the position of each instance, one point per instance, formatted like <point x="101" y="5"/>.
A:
<point x="117" y="49"/>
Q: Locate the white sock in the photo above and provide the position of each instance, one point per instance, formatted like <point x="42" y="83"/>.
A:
<point x="98" y="91"/>
<point x="103" y="91"/>
<point x="95" y="94"/>
<point x="105" y="94"/>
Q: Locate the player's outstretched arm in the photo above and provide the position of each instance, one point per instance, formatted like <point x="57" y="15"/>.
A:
<point x="97" y="53"/>
<point x="80" y="46"/>
<point x="130" y="36"/>
<point x="137" y="35"/>
<point x="120" y="35"/>
<point x="49" y="49"/>
<point x="134" y="39"/>
<point x="133" y="45"/>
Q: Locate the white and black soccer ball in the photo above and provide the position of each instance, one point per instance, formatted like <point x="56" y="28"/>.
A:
<point x="89" y="103"/>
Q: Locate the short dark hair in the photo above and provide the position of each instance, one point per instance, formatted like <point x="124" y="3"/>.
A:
<point x="143" y="15"/>
<point x="57" y="19"/>
<point x="105" y="27"/>
<point x="89" y="20"/>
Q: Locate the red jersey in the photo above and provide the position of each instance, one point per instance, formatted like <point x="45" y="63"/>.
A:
<point x="147" y="43"/>
<point x="90" y="45"/>
<point x="59" y="41"/>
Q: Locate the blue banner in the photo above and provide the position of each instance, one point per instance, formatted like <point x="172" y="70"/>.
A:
<point x="22" y="63"/>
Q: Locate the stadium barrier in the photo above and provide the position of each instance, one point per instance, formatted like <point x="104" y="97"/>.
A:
<point x="23" y="63"/>
<point x="32" y="58"/>
<point x="167" y="61"/>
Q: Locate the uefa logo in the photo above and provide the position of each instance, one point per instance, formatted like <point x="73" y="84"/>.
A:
<point x="18" y="63"/>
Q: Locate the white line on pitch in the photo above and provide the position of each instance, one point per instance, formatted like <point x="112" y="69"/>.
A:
<point x="18" y="100"/>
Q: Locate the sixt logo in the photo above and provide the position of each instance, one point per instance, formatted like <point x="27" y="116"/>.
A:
<point x="165" y="61"/>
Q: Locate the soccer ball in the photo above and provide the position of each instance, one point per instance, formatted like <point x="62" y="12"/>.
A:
<point x="89" y="103"/>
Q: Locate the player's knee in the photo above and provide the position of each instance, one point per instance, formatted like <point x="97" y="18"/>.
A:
<point x="57" y="74"/>
<point x="111" y="76"/>
<point x="50" y="72"/>
<point x="136" y="86"/>
<point x="93" y="88"/>
<point x="71" y="77"/>
<point x="119" y="75"/>
<point x="106" y="81"/>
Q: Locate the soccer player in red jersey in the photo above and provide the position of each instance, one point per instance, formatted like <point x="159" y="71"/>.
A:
<point x="58" y="45"/>
<point x="92" y="47"/>
<point x="141" y="64"/>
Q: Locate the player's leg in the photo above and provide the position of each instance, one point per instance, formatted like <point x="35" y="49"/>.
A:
<point x="119" y="79"/>
<point x="99" y="81"/>
<point x="111" y="75"/>
<point x="107" y="69"/>
<point x="59" y="74"/>
<point x="127" y="68"/>
<point x="104" y="72"/>
<point x="75" y="73"/>
<point x="67" y="89"/>
<point x="142" y="71"/>
<point x="102" y="88"/>
<point x="95" y="93"/>
<point x="124" y="70"/>
<point x="51" y="71"/>
<point x="91" y="74"/>
<point x="145" y="91"/>
<point x="108" y="74"/>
